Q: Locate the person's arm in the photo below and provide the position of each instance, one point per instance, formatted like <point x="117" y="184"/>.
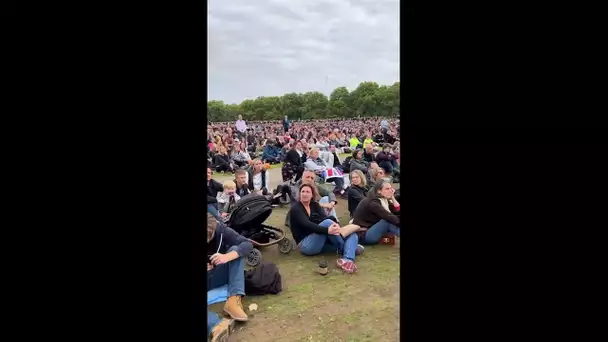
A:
<point x="267" y="175"/>
<point x="381" y="156"/>
<point x="311" y="165"/>
<point x="377" y="209"/>
<point x="324" y="192"/>
<point x="298" y="215"/>
<point x="232" y="238"/>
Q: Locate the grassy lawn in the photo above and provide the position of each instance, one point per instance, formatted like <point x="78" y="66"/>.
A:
<point x="338" y="307"/>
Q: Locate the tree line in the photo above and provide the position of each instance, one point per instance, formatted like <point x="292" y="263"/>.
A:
<point x="368" y="99"/>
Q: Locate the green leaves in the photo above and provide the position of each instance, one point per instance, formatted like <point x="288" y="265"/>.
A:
<point x="368" y="99"/>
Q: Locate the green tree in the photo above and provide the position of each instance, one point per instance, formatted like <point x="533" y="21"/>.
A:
<point x="368" y="99"/>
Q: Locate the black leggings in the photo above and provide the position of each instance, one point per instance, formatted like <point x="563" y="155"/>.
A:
<point x="240" y="163"/>
<point x="283" y="190"/>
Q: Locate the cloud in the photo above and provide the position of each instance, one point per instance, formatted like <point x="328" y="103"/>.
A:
<point x="273" y="47"/>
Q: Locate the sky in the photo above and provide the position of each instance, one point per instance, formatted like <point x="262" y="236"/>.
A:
<point x="273" y="47"/>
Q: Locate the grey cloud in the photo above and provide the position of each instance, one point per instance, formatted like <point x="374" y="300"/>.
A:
<point x="273" y="47"/>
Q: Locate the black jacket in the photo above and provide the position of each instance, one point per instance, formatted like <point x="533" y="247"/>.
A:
<point x="212" y="189"/>
<point x="243" y="190"/>
<point x="368" y="157"/>
<point x="293" y="157"/>
<point x="302" y="225"/>
<point x="221" y="159"/>
<point x="370" y="211"/>
<point x="383" y="156"/>
<point x="355" y="195"/>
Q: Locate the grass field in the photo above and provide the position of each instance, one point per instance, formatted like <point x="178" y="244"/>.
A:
<point x="338" y="307"/>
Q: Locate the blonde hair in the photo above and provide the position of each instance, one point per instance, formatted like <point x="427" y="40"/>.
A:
<point x="315" y="192"/>
<point x="361" y="176"/>
<point x="313" y="151"/>
<point x="229" y="184"/>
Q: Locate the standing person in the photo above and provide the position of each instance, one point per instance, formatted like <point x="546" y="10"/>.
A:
<point x="384" y="128"/>
<point x="241" y="126"/>
<point x="314" y="232"/>
<point x="286" y="124"/>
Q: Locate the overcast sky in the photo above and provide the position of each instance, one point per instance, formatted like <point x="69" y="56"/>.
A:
<point x="272" y="47"/>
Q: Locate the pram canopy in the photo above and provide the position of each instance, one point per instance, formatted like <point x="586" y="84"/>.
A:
<point x="250" y="212"/>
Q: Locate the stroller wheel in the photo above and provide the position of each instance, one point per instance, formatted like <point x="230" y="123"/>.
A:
<point x="254" y="258"/>
<point x="285" y="246"/>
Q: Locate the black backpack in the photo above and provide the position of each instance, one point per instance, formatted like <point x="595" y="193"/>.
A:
<point x="346" y="164"/>
<point x="262" y="280"/>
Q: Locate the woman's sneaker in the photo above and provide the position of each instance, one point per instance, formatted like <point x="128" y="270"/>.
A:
<point x="346" y="265"/>
<point x="360" y="249"/>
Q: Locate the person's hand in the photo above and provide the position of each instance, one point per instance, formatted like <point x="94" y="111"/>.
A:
<point x="224" y="214"/>
<point x="219" y="258"/>
<point x="334" y="229"/>
<point x="209" y="267"/>
<point x="331" y="205"/>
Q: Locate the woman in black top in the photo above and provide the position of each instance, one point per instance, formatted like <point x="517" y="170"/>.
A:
<point x="314" y="232"/>
<point x="357" y="191"/>
<point x="293" y="163"/>
<point x="222" y="161"/>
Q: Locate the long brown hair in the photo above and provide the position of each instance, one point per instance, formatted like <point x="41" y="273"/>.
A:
<point x="313" y="188"/>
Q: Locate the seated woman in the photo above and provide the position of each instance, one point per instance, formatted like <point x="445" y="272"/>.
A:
<point x="329" y="174"/>
<point x="239" y="156"/>
<point x="357" y="191"/>
<point x="376" y="212"/>
<point x="227" y="200"/>
<point x="358" y="163"/>
<point x="226" y="250"/>
<point x="213" y="187"/>
<point x="293" y="163"/>
<point x="314" y="232"/>
<point x="222" y="161"/>
<point x="258" y="178"/>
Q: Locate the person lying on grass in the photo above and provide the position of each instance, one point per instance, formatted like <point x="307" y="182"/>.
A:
<point x="376" y="212"/>
<point x="315" y="232"/>
<point x="226" y="252"/>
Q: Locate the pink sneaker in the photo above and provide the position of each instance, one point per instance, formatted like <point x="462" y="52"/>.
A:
<point x="346" y="265"/>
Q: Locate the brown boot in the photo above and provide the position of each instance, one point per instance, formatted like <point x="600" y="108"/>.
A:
<point x="234" y="308"/>
<point x="222" y="330"/>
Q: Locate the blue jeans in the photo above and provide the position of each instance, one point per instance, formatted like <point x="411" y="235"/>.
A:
<point x="213" y="210"/>
<point x="375" y="232"/>
<point x="315" y="244"/>
<point x="389" y="166"/>
<point x="212" y="320"/>
<point x="333" y="213"/>
<point x="338" y="181"/>
<point x="232" y="273"/>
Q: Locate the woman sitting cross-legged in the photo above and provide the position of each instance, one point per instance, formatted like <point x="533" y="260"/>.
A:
<point x="226" y="250"/>
<point x="377" y="212"/>
<point x="314" y="232"/>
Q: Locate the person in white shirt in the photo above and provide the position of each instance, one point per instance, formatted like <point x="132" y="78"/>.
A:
<point x="317" y="165"/>
<point x="241" y="126"/>
<point x="258" y="178"/>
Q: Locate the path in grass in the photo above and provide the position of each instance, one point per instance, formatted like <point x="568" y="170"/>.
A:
<point x="338" y="307"/>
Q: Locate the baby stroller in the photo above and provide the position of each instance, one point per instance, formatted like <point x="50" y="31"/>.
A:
<point x="247" y="219"/>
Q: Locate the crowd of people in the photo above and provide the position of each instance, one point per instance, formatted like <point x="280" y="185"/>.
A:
<point x="310" y="153"/>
